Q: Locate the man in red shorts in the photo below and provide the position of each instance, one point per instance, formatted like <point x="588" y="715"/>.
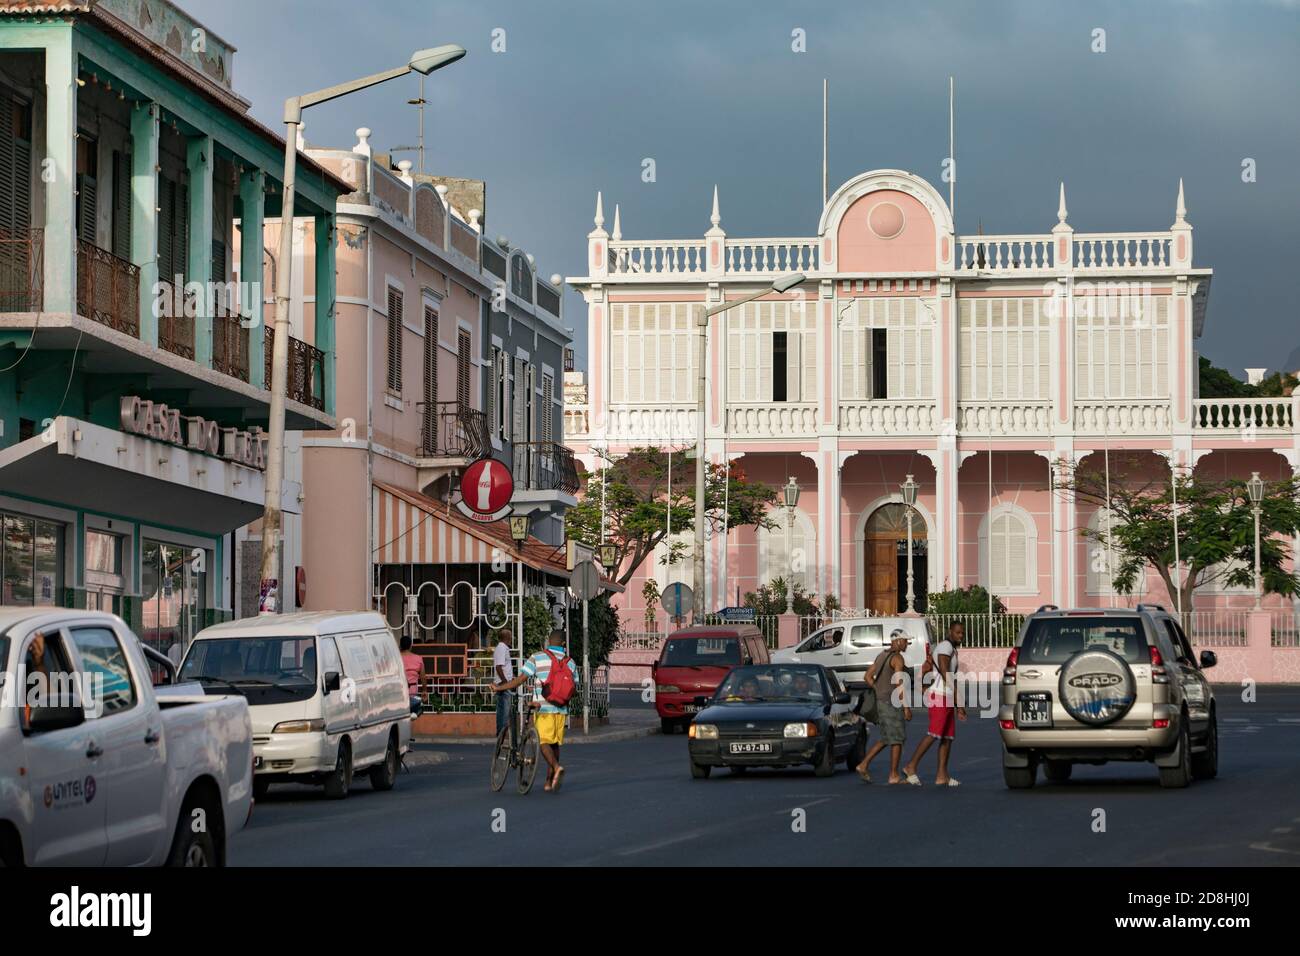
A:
<point x="943" y="710"/>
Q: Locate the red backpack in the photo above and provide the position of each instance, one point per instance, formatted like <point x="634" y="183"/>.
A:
<point x="559" y="685"/>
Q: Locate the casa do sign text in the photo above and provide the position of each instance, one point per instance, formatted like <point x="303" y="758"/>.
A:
<point x="140" y="416"/>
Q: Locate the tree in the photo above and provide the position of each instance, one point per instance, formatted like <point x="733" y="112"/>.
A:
<point x="1216" y="530"/>
<point x="1219" y="383"/>
<point x="771" y="598"/>
<point x="602" y="631"/>
<point x="638" y="505"/>
<point x="650" y="593"/>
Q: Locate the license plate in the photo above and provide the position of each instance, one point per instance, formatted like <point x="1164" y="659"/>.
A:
<point x="1035" y="710"/>
<point x="751" y="748"/>
<point x="691" y="708"/>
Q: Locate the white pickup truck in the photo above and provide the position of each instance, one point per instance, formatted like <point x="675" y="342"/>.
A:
<point x="99" y="767"/>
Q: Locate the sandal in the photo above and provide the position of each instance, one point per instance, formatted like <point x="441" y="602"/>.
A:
<point x="864" y="774"/>
<point x="913" y="779"/>
<point x="555" y="783"/>
<point x="950" y="782"/>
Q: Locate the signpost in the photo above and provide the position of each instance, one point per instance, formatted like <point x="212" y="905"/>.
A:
<point x="738" y="615"/>
<point x="586" y="585"/>
<point x="485" y="491"/>
<point x="678" y="600"/>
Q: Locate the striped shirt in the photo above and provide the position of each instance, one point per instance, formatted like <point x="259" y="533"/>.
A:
<point x="539" y="667"/>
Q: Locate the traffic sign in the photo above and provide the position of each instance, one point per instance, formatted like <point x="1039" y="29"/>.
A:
<point x="738" y="615"/>
<point x="585" y="581"/>
<point x="678" y="599"/>
<point x="485" y="491"/>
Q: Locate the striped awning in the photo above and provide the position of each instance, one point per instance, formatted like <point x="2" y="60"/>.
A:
<point x="411" y="528"/>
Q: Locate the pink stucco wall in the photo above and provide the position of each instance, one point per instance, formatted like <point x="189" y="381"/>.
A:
<point x="862" y="250"/>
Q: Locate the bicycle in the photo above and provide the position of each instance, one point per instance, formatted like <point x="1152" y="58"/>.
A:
<point x="510" y="753"/>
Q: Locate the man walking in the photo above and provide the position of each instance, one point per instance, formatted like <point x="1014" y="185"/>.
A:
<point x="943" y="710"/>
<point x="504" y="670"/>
<point x="891" y="705"/>
<point x="555" y="677"/>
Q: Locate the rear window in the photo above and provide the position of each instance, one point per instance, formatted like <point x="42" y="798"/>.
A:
<point x="1053" y="640"/>
<point x="701" y="652"/>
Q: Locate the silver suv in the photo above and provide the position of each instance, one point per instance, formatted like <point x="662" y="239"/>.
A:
<point x="1100" y="684"/>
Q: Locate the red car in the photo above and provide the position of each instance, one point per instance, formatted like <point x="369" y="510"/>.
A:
<point x="693" y="663"/>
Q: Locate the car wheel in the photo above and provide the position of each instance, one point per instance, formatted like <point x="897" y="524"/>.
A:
<point x="261" y="786"/>
<point x="384" y="775"/>
<point x="1205" y="765"/>
<point x="1179" y="775"/>
<point x="858" y="752"/>
<point x="338" y="783"/>
<point x="191" y="847"/>
<point x="700" y="771"/>
<point x="826" y="765"/>
<point x="667" y="726"/>
<point x="1057" y="771"/>
<point x="1020" y="778"/>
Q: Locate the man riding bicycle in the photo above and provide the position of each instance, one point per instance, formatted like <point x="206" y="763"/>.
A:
<point x="550" y="712"/>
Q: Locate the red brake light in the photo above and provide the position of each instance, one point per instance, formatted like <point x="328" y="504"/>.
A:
<point x="1013" y="657"/>
<point x="1160" y="723"/>
<point x="1156" y="659"/>
<point x="1008" y="724"/>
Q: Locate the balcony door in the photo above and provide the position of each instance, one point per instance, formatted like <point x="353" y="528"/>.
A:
<point x="885" y="555"/>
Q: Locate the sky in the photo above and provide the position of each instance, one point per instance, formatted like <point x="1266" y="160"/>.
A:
<point x="715" y="93"/>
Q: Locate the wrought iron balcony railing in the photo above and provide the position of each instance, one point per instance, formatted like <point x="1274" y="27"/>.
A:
<point x="452" y="430"/>
<point x="21" y="268"/>
<point x="108" y="289"/>
<point x="306" y="384"/>
<point x="229" y="343"/>
<point x="544" y="466"/>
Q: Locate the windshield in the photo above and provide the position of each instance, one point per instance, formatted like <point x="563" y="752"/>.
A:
<point x="769" y="683"/>
<point x="1053" y="640"/>
<point x="266" y="670"/>
<point x="701" y="652"/>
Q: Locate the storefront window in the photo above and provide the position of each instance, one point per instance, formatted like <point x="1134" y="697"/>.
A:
<point x="174" y="593"/>
<point x="31" y="561"/>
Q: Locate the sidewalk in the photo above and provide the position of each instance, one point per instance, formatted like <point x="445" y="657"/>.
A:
<point x="625" y="723"/>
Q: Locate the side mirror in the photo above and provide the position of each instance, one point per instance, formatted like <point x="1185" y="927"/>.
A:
<point x="55" y="717"/>
<point x="332" y="681"/>
<point x="1208" y="659"/>
<point x="843" y="697"/>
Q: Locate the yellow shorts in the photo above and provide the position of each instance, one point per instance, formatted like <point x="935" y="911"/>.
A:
<point x="550" y="728"/>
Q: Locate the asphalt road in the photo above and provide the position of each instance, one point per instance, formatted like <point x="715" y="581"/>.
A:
<point x="634" y="802"/>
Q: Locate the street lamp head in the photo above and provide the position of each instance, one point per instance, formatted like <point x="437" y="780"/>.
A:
<point x="435" y="58"/>
<point x="609" y="556"/>
<point x="1255" y="488"/>
<point x="787" y="282"/>
<point x="519" y="528"/>
<point x="791" y="493"/>
<point x="909" y="488"/>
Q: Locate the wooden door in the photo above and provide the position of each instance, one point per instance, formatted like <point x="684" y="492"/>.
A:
<point x="882" y="574"/>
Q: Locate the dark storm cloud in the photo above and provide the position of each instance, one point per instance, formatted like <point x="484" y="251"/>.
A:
<point x="713" y="93"/>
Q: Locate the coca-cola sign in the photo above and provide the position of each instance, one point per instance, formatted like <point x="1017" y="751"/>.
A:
<point x="140" y="416"/>
<point x="485" y="491"/>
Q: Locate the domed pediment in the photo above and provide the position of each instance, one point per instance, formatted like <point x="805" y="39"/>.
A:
<point x="886" y="220"/>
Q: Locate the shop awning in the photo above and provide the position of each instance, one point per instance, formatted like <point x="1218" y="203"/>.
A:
<point x="100" y="469"/>
<point x="411" y="528"/>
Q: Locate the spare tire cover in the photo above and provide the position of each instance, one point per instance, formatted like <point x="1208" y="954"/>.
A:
<point x="1097" y="687"/>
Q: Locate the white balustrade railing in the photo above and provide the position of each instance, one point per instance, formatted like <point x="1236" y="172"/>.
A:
<point x="656" y="257"/>
<point x="772" y="420"/>
<point x="774" y="256"/>
<point x="1244" y="414"/>
<point x="1124" y="250"/>
<point x="1137" y="416"/>
<point x="1004" y="418"/>
<point x="576" y="421"/>
<point x="652" y="423"/>
<point x="889" y="417"/>
<point x="1004" y="253"/>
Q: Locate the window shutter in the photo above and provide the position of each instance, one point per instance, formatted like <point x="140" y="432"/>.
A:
<point x="431" y="361"/>
<point x="181" y="234"/>
<point x="86" y="209"/>
<point x="517" y="426"/>
<point x="166" y="207"/>
<point x="394" y="340"/>
<point x="763" y="386"/>
<point x="548" y="410"/>
<point x="15" y="166"/>
<point x="492" y="408"/>
<point x="121" y="205"/>
<point x="1017" y="556"/>
<point x="650" y="355"/>
<point x="998" y="553"/>
<point x="463" y="370"/>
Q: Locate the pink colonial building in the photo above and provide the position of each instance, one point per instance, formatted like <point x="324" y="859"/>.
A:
<point x="981" y="365"/>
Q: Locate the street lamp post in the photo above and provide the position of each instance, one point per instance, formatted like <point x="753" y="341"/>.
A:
<point x="783" y="284"/>
<point x="791" y="502"/>
<point x="1255" y="488"/>
<point x="908" y="489"/>
<point x="423" y="62"/>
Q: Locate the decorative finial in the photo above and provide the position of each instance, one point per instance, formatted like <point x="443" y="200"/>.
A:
<point x="363" y="141"/>
<point x="1060" y="209"/>
<point x="1180" y="211"/>
<point x="600" y="211"/>
<point x="618" y="228"/>
<point x="716" y="217"/>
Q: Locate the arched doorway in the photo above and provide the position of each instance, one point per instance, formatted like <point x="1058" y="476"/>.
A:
<point x="885" y="560"/>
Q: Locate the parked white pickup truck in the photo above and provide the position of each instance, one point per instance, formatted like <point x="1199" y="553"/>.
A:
<point x="99" y="767"/>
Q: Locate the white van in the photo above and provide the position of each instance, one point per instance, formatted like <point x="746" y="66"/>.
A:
<point x="849" y="646"/>
<point x="326" y="692"/>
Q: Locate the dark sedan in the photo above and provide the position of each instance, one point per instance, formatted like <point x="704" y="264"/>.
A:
<point x="778" y="715"/>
